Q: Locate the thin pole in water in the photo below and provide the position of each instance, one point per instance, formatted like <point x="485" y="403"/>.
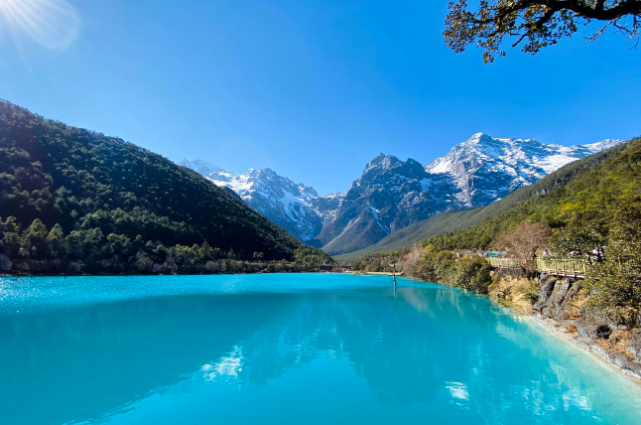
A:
<point x="394" y="271"/>
<point x="395" y="301"/>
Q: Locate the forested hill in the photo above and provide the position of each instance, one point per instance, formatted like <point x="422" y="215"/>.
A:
<point x="72" y="197"/>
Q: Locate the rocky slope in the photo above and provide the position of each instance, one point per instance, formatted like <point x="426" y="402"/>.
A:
<point x="392" y="194"/>
<point x="561" y="307"/>
<point x="389" y="195"/>
<point x="295" y="207"/>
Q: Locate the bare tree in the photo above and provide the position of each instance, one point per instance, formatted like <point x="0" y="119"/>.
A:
<point x="409" y="260"/>
<point x="523" y="241"/>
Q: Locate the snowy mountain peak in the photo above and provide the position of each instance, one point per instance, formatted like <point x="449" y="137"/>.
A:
<point x="380" y="160"/>
<point x="603" y="145"/>
<point x="391" y="194"/>
<point x="295" y="207"/>
<point x="486" y="168"/>
<point x="389" y="163"/>
<point x="199" y="166"/>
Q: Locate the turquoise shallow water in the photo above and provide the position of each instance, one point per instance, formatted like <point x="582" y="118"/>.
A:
<point x="287" y="349"/>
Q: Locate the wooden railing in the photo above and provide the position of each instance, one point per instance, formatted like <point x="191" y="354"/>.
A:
<point x="557" y="266"/>
<point x="562" y="265"/>
<point x="505" y="263"/>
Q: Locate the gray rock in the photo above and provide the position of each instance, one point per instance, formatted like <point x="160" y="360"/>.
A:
<point x="574" y="288"/>
<point x="555" y="294"/>
<point x="620" y="360"/>
<point x="634" y="369"/>
<point x="556" y="308"/>
<point x="560" y="292"/>
<point x="634" y="347"/>
<point x="547" y="287"/>
<point x="592" y="332"/>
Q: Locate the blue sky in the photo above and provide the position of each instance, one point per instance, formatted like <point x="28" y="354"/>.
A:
<point x="311" y="89"/>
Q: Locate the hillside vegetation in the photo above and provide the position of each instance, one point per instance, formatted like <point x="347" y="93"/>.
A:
<point x="72" y="200"/>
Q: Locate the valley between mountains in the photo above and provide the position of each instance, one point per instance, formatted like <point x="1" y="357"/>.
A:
<point x="392" y="194"/>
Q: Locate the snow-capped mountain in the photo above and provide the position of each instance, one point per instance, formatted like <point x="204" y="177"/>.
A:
<point x="295" y="207"/>
<point x="201" y="167"/>
<point x="485" y="168"/>
<point x="391" y="194"/>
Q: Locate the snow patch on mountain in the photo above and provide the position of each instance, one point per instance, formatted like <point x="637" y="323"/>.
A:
<point x="295" y="207"/>
<point x="375" y="214"/>
<point x="199" y="166"/>
<point x="486" y="168"/>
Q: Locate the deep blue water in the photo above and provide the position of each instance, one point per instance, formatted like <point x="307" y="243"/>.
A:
<point x="287" y="349"/>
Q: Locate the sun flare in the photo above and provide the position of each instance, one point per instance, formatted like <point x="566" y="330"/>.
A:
<point x="53" y="24"/>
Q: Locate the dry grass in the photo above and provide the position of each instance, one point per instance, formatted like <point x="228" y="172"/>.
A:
<point x="514" y="292"/>
<point x="617" y="342"/>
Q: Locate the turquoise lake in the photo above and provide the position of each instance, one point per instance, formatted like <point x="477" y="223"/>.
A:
<point x="287" y="349"/>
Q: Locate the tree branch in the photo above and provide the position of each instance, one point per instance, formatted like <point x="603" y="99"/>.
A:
<point x="541" y="22"/>
<point x="627" y="7"/>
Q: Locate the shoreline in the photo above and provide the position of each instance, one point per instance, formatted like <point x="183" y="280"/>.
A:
<point x="583" y="345"/>
<point x="264" y="271"/>
<point x="359" y="273"/>
<point x="551" y="315"/>
<point x="549" y="325"/>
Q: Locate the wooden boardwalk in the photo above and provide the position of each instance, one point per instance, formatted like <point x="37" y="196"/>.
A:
<point x="554" y="266"/>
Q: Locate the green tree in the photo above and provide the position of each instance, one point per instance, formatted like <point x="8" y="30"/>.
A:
<point x="206" y="252"/>
<point x="56" y="243"/>
<point x="36" y="235"/>
<point x="615" y="285"/>
<point x="37" y="232"/>
<point x="584" y="238"/>
<point x="119" y="245"/>
<point x="472" y="274"/>
<point x="535" y="24"/>
<point x="11" y="239"/>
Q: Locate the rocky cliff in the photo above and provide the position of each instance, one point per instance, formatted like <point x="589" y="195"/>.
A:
<point x="561" y="306"/>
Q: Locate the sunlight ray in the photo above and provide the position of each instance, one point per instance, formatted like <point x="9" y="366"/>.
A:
<point x="53" y="24"/>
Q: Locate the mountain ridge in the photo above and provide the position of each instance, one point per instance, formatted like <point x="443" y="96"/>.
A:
<point x="444" y="223"/>
<point x="392" y="194"/>
<point x="293" y="206"/>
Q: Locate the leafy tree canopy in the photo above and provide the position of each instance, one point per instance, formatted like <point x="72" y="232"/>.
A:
<point x="535" y="24"/>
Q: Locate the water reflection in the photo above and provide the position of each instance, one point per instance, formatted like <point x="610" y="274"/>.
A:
<point x="419" y="350"/>
<point x="76" y="364"/>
